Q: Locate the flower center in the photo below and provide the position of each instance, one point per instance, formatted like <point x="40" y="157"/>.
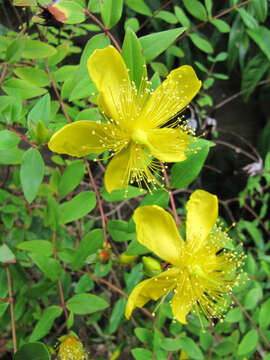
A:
<point x="140" y="137"/>
<point x="197" y="270"/>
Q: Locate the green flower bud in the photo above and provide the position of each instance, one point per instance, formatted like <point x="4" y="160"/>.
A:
<point x="151" y="266"/>
<point x="127" y="259"/>
<point x="41" y="133"/>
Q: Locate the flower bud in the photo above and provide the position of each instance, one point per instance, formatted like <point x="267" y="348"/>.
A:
<point x="71" y="349"/>
<point x="151" y="266"/>
<point x="41" y="133"/>
<point x="127" y="259"/>
<point x="104" y="255"/>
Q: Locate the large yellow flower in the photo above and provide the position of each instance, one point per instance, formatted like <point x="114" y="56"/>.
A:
<point x="134" y="121"/>
<point x="202" y="271"/>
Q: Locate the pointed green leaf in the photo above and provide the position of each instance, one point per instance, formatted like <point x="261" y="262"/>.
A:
<point x="35" y="49"/>
<point x="82" y="304"/>
<point x="34" y="350"/>
<point x="8" y="139"/>
<point x="261" y="36"/>
<point x="111" y="12"/>
<point x="196" y="9"/>
<point x="248" y="343"/>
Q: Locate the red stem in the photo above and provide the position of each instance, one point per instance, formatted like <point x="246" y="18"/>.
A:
<point x="104" y="28"/>
<point x="103" y="218"/>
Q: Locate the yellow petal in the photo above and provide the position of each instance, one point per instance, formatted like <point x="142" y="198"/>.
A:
<point x="168" y="144"/>
<point x="157" y="231"/>
<point x="117" y="174"/>
<point x="202" y="212"/>
<point x="152" y="288"/>
<point x="109" y="73"/>
<point x="171" y="97"/>
<point x="183" y="299"/>
<point x="82" y="138"/>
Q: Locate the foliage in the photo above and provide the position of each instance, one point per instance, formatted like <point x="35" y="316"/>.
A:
<point x="69" y="254"/>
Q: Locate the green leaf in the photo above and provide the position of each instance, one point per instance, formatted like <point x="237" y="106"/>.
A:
<point x="15" y="50"/>
<point x="41" y="111"/>
<point x="78" y="207"/>
<point x="167" y="16"/>
<point x="144" y="335"/>
<point x="11" y="156"/>
<point x="34" y="350"/>
<point x="248" y="19"/>
<point x="8" y="139"/>
<point x="196" y="9"/>
<point x="84" y="284"/>
<point x="190" y="348"/>
<point x="50" y="267"/>
<point x="111" y="12"/>
<point x="22" y="88"/>
<point x="119" y="230"/>
<point x="261" y="8"/>
<point x="42" y="247"/>
<point x="225" y="348"/>
<point x="81" y="85"/>
<point x="252" y="298"/>
<point x="82" y="304"/>
<point x="132" y="55"/>
<point x="117" y="315"/>
<point x="142" y="354"/>
<point x="92" y="114"/>
<point x="139" y="6"/>
<point x="6" y="255"/>
<point x="34" y="76"/>
<point x="62" y="51"/>
<point x="71" y="177"/>
<point x="31" y="173"/>
<point x="264" y="318"/>
<point x="73" y="11"/>
<point x="234" y="315"/>
<point x="154" y="44"/>
<point x="209" y="6"/>
<point x="35" y="49"/>
<point x="120" y="195"/>
<point x="171" y="344"/>
<point x="248" y="343"/>
<point x="89" y="245"/>
<point x="158" y="197"/>
<point x="136" y="248"/>
<point x="45" y="323"/>
<point x="221" y="25"/>
<point x="201" y="43"/>
<point x="184" y="172"/>
<point x="132" y="23"/>
<point x="261" y="36"/>
<point x="253" y="73"/>
<point x="181" y="16"/>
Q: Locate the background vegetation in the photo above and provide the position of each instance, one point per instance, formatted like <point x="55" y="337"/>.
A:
<point x="56" y="274"/>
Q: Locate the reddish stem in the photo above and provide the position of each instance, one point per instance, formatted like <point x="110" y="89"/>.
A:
<point x="61" y="102"/>
<point x="104" y="28"/>
<point x="176" y="217"/>
<point x="11" y="306"/>
<point x="103" y="218"/>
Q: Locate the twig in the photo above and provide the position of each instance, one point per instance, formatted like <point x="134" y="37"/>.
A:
<point x="236" y="149"/>
<point x="60" y="288"/>
<point x="244" y="311"/>
<point x="104" y="28"/>
<point x="194" y="28"/>
<point x="229" y="99"/>
<point x="61" y="102"/>
<point x="11" y="305"/>
<point x="176" y="217"/>
<point x="3" y="73"/>
<point x="99" y="201"/>
<point x="154" y="15"/>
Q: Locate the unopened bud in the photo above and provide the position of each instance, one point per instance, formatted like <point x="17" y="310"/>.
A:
<point x="41" y="133"/>
<point x="127" y="259"/>
<point x="151" y="266"/>
<point x="104" y="255"/>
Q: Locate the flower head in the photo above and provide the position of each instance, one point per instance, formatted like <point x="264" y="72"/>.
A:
<point x="133" y="128"/>
<point x="71" y="349"/>
<point x="202" y="270"/>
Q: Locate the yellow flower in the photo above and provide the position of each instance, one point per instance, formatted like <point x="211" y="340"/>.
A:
<point x="202" y="270"/>
<point x="71" y="349"/>
<point x="133" y="130"/>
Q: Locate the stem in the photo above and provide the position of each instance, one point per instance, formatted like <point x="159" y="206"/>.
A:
<point x="61" y="102"/>
<point x="104" y="28"/>
<point x="186" y="33"/>
<point x="103" y="218"/>
<point x="60" y="288"/>
<point x="11" y="305"/>
<point x="259" y="331"/>
<point x="176" y="217"/>
<point x="3" y="73"/>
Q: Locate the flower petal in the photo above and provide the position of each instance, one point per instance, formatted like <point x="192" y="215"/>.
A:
<point x="157" y="231"/>
<point x="152" y="288"/>
<point x="171" y="97"/>
<point x="82" y="138"/>
<point x="182" y="300"/>
<point x="117" y="174"/>
<point x="109" y="73"/>
<point x="202" y="212"/>
<point x="168" y="144"/>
